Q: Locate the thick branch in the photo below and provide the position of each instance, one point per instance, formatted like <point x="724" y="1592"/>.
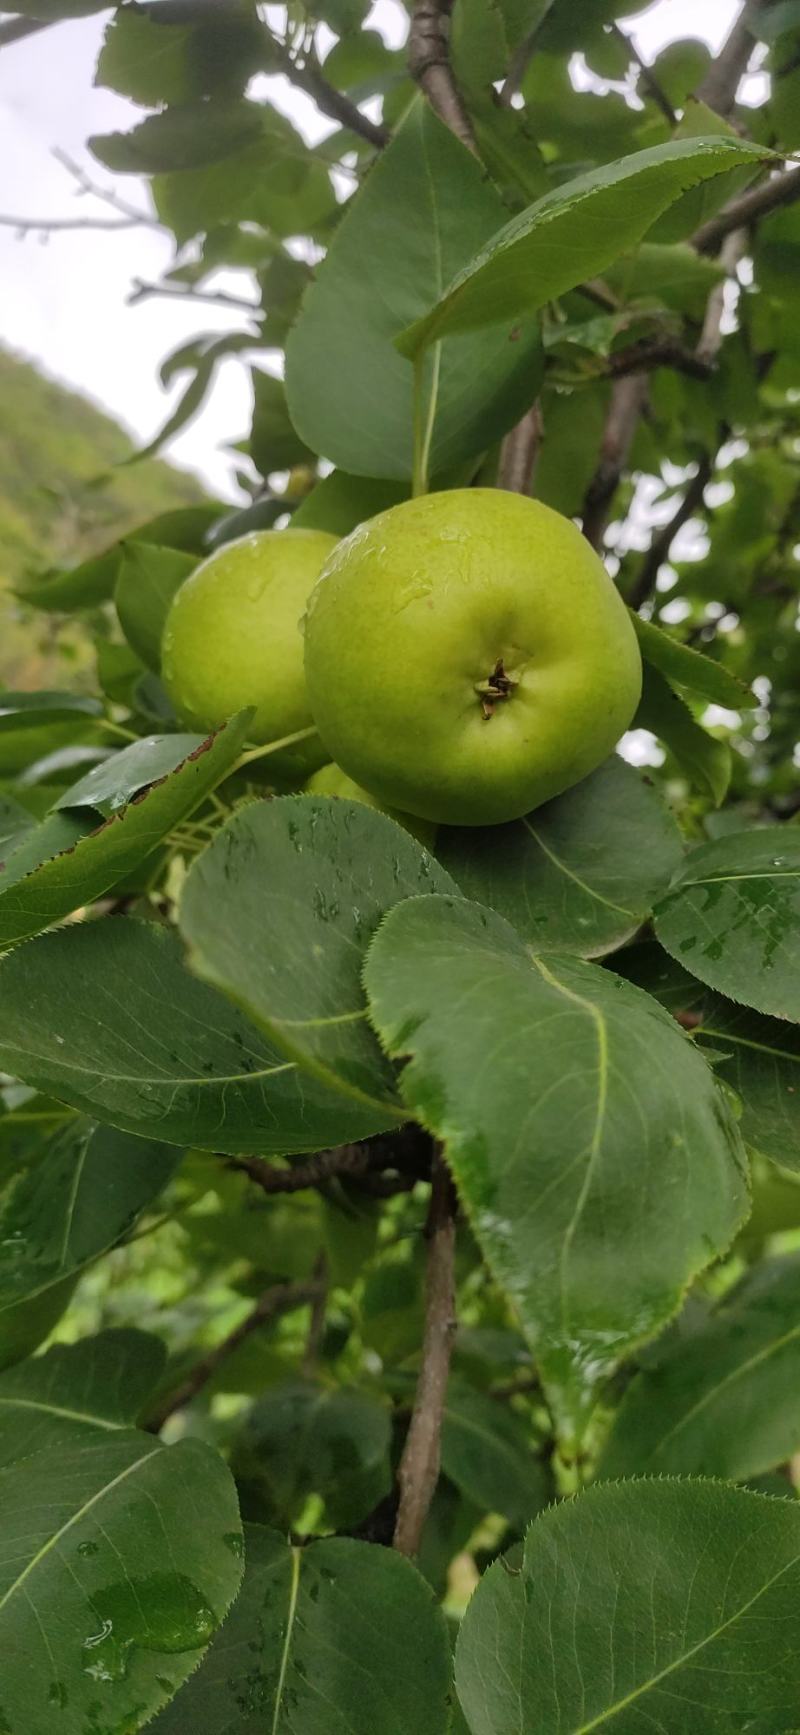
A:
<point x="519" y="452"/>
<point x="771" y="195"/>
<point x="419" y="1466"/>
<point x="652" y="352"/>
<point x="429" y="65"/>
<point x="281" y="1298"/>
<point x="658" y="552"/>
<point x="718" y="88"/>
<point x="628" y="399"/>
<point x="332" y="102"/>
<point x="647" y="78"/>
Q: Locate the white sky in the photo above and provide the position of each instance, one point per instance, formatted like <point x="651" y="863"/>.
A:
<point x="64" y="303"/>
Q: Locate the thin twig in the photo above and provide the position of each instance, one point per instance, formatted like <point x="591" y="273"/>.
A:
<point x="519" y="453"/>
<point x="429" y="65"/>
<point x="647" y="77"/>
<point x="16" y="28"/>
<point x="772" y="195"/>
<point x="143" y="291"/>
<point x="94" y="190"/>
<point x="419" y="1465"/>
<point x="709" y="342"/>
<point x="628" y="398"/>
<point x="405" y="1152"/>
<point x="659" y="550"/>
<point x="330" y="101"/>
<point x="50" y="225"/>
<point x="518" y="63"/>
<point x="281" y="1298"/>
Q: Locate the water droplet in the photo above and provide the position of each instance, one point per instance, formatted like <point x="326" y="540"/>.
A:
<point x="234" y="1540"/>
<point x="57" y="1694"/>
<point x="87" y="1549"/>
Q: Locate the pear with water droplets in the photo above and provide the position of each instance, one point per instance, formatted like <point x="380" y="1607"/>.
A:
<point x="467" y="657"/>
<point x="232" y="638"/>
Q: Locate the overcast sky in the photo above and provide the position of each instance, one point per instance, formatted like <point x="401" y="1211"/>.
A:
<point x="64" y="303"/>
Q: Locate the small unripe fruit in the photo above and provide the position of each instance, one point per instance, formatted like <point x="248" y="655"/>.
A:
<point x="467" y="656"/>
<point x="233" y="638"/>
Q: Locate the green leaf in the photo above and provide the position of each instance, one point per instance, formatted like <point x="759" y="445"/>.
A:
<point x="580" y="1124"/>
<point x="571" y="234"/>
<point x="339" y="1635"/>
<point x="84" y="1191"/>
<point x="424" y="209"/>
<point x="340" y="502"/>
<point x="488" y="1451"/>
<point x="726" y="1401"/>
<point x="28" y="710"/>
<point x="147" y="581"/>
<point x="60" y="1399"/>
<point x="687" y="668"/>
<point x="110" y="786"/>
<point x="580" y="874"/>
<point x="154" y="60"/>
<point x="119" y="1560"/>
<point x="62" y="863"/>
<point x="274" y="445"/>
<point x="275" y="182"/>
<point x="14" y="822"/>
<point x="732" y="916"/>
<point x="478" y="45"/>
<point x="302" y="1439"/>
<point x="758" y="1057"/>
<point x="187" y="136"/>
<point x="168" y="1058"/>
<point x="278" y="913"/>
<point x="675" y="275"/>
<point x="704" y="760"/>
<point x="640" y="1606"/>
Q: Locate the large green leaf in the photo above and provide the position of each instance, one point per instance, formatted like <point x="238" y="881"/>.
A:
<point x="186" y="136"/>
<point x="340" y="502"/>
<point x="581" y="1126"/>
<point x="278" y="912"/>
<point x="275" y="182"/>
<point x="148" y="579"/>
<point x="732" y="916"/>
<point x="57" y="1400"/>
<point x="302" y="1439"/>
<point x="488" y="1451"/>
<point x="422" y="213"/>
<point x="580" y="874"/>
<point x="725" y="1401"/>
<point x="118" y="1560"/>
<point x="571" y="234"/>
<point x="84" y="1191"/>
<point x="109" y="1015"/>
<point x="645" y="1606"/>
<point x="69" y="860"/>
<point x="338" y="1636"/>
<point x="110" y="786"/>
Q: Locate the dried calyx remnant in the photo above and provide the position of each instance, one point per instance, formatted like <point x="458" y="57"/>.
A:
<point x="498" y="686"/>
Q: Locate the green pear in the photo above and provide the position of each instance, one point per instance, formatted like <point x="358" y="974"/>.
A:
<point x="232" y="637"/>
<point x="468" y="657"/>
<point x="331" y="780"/>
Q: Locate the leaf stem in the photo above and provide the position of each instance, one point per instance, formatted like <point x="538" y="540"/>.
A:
<point x="252" y="753"/>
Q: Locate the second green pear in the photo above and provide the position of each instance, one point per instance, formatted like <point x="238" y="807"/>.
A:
<point x="232" y="637"/>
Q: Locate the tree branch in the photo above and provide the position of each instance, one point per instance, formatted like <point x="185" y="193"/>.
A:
<point x="50" y="225"/>
<point x="143" y="291"/>
<point x="779" y="190"/>
<point x="332" y="102"/>
<point x="419" y="1465"/>
<point x="406" y="1153"/>
<point x="649" y="353"/>
<point x="281" y="1298"/>
<point x="647" y="77"/>
<point x="519" y="452"/>
<point x="709" y="342"/>
<point x="658" y="552"/>
<point x="16" y="28"/>
<point x="429" y="65"/>
<point x="718" y="88"/>
<point x="628" y="399"/>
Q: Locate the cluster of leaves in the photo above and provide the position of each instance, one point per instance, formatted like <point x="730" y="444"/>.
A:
<point x="241" y="1026"/>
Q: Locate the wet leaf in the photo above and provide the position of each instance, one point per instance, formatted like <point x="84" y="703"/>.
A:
<point x="58" y="1399"/>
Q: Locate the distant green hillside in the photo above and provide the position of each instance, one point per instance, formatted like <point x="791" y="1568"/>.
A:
<point x="60" y="500"/>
